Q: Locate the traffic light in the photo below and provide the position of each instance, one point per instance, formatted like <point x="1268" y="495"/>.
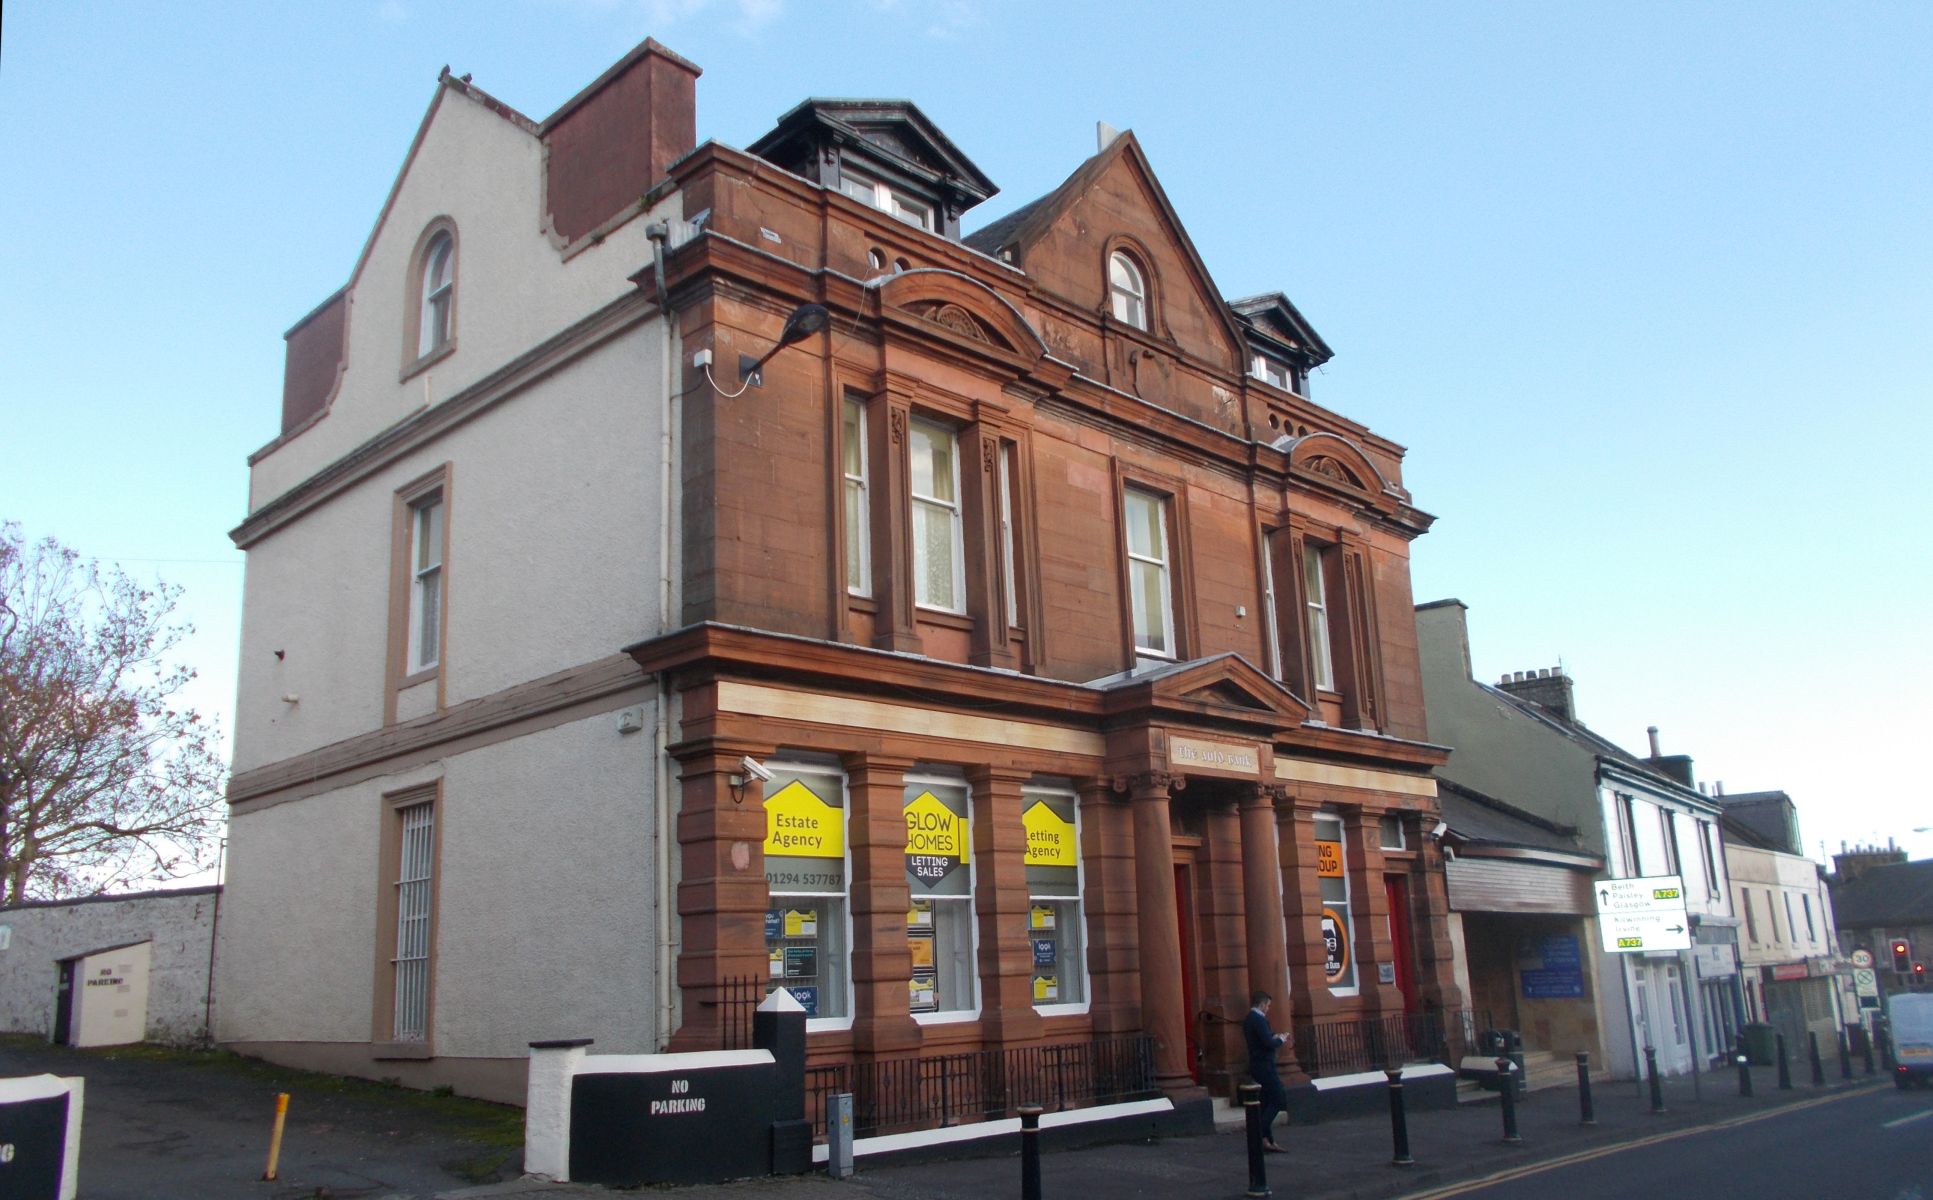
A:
<point x="1902" y="956"/>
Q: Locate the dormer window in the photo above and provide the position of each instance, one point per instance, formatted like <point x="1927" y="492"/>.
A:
<point x="1276" y="374"/>
<point x="894" y="203"/>
<point x="438" y="294"/>
<point x="1127" y="293"/>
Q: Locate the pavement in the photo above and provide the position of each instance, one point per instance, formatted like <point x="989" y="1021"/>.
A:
<point x="166" y="1125"/>
<point x="1338" y="1160"/>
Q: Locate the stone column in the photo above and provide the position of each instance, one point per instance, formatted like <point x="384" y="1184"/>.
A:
<point x="883" y="1026"/>
<point x="1007" y="1015"/>
<point x="1159" y="926"/>
<point x="1268" y="961"/>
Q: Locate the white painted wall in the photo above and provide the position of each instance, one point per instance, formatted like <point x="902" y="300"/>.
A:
<point x="552" y="559"/>
<point x="176" y="925"/>
<point x="545" y="925"/>
<point x="513" y="287"/>
<point x="1770" y="875"/>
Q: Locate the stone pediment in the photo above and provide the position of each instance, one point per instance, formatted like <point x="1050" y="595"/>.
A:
<point x="1223" y="690"/>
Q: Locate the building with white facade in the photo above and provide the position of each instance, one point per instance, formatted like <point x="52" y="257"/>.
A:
<point x="1793" y="977"/>
<point x="1520" y="743"/>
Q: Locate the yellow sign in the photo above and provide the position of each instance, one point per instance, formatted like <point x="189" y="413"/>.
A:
<point x="1665" y="893"/>
<point x="1050" y="840"/>
<point x="1040" y="917"/>
<point x="934" y="829"/>
<point x="1329" y="860"/>
<point x="1046" y="987"/>
<point x="800" y="825"/>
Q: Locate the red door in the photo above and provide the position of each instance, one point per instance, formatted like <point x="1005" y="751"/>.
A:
<point x="1185" y="923"/>
<point x="1396" y="890"/>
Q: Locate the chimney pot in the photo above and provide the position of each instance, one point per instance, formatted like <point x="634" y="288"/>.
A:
<point x="1651" y="731"/>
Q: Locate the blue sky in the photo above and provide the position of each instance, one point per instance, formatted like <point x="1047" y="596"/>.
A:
<point x="1646" y="288"/>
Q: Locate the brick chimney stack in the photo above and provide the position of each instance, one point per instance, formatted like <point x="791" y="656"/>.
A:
<point x="1548" y="689"/>
<point x="1849" y="865"/>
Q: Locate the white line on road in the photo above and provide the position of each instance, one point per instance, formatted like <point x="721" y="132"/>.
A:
<point x="1907" y="1120"/>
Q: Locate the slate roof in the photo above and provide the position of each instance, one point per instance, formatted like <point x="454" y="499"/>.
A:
<point x="1761" y="819"/>
<point x="1604" y="748"/>
<point x="1892" y="896"/>
<point x="1475" y="817"/>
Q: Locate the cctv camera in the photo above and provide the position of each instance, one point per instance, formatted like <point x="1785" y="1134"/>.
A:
<point x="1442" y="827"/>
<point x="753" y="767"/>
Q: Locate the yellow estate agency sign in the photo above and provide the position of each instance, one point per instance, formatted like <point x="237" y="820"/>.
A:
<point x="1329" y="860"/>
<point x="800" y="825"/>
<point x="1050" y="840"/>
<point x="934" y="829"/>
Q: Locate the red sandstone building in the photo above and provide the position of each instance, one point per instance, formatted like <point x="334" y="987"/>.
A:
<point x="1074" y="637"/>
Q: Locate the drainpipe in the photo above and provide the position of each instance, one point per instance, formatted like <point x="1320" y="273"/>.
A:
<point x="661" y="840"/>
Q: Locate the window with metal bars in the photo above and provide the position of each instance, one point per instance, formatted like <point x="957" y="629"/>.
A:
<point x="413" y="896"/>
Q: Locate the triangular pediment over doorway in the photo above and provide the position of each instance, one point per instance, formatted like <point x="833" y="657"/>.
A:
<point x="1225" y="690"/>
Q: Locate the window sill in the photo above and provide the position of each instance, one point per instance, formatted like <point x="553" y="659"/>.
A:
<point x="426" y="675"/>
<point x="943" y="618"/>
<point x="396" y="1051"/>
<point x="424" y="363"/>
<point x="946" y="1018"/>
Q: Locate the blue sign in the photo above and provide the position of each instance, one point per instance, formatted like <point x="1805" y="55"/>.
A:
<point x="1044" y="952"/>
<point x="1561" y="973"/>
<point x="774" y="923"/>
<point x="808" y="998"/>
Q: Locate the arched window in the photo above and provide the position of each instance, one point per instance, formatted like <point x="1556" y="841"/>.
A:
<point x="438" y="292"/>
<point x="1127" y="294"/>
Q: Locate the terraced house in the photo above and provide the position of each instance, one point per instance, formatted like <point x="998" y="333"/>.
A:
<point x="684" y="571"/>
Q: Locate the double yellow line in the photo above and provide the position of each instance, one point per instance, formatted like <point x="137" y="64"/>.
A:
<point x="1551" y="1164"/>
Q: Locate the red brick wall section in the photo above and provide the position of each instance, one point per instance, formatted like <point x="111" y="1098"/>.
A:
<point x="612" y="144"/>
<point x="311" y="362"/>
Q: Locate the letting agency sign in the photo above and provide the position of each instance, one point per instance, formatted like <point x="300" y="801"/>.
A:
<point x="1636" y="915"/>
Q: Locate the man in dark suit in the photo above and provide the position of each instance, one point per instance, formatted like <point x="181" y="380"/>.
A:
<point x="1262" y="1043"/>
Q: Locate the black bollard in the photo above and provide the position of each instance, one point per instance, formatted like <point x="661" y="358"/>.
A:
<point x="1744" y="1070"/>
<point x="1866" y="1048"/>
<point x="1657" y="1086"/>
<point x="1845" y="1056"/>
<point x="1586" y="1115"/>
<point x="1258" y="1176"/>
<point x="1812" y="1052"/>
<point x="1030" y="1152"/>
<point x="1508" y="1091"/>
<point x="1785" y="1072"/>
<point x="1398" y="1119"/>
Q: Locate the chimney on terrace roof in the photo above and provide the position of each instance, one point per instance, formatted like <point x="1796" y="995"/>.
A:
<point x="1548" y="689"/>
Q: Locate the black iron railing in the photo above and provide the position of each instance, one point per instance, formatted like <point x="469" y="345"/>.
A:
<point x="925" y="1092"/>
<point x="1343" y="1047"/>
<point x="738" y="998"/>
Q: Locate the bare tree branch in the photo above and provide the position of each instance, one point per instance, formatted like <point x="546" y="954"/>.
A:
<point x="103" y="777"/>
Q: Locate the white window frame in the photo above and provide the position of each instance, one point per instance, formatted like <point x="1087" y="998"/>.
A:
<point x="947" y="504"/>
<point x="415" y="900"/>
<point x="875" y="194"/>
<point x="1127" y="290"/>
<point x="433" y="326"/>
<point x="1161" y="562"/>
<point x="1348" y="905"/>
<point x="1007" y="554"/>
<point x="1315" y="607"/>
<point x="428" y="519"/>
<point x="1271" y="635"/>
<point x="857" y="497"/>
<point x="808" y="766"/>
<point x="1062" y="792"/>
<point x="970" y="902"/>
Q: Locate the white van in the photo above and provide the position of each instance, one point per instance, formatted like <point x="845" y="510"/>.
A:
<point x="1911" y="1016"/>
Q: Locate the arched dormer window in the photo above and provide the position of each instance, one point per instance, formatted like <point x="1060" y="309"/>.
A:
<point x="1127" y="290"/>
<point x="433" y="294"/>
